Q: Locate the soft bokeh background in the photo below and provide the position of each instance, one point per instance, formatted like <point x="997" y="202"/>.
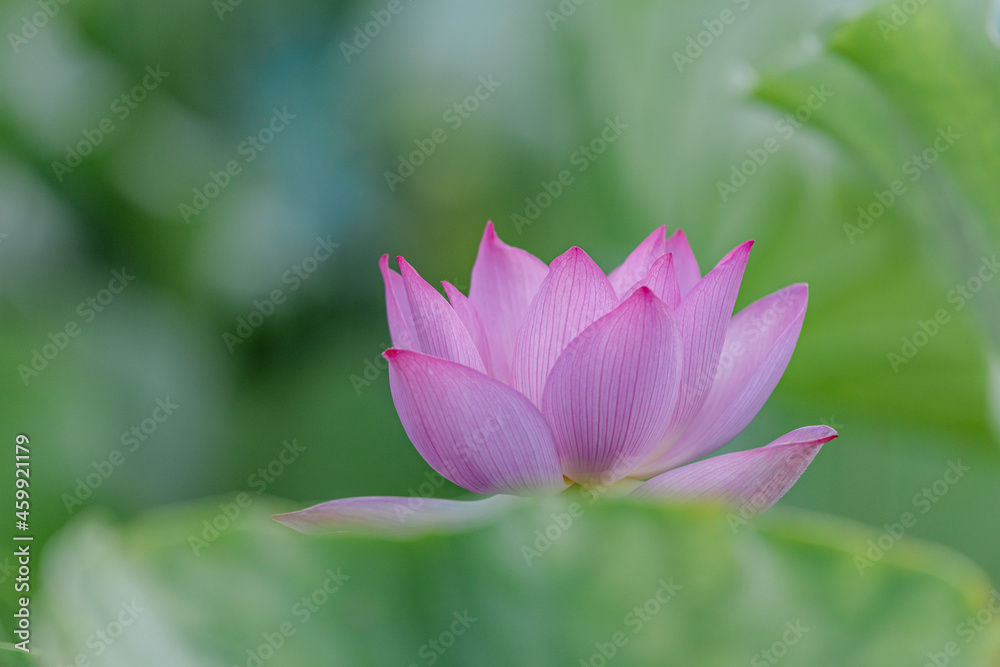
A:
<point x="885" y="82"/>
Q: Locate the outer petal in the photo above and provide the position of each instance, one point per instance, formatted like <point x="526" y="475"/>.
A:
<point x="439" y="330"/>
<point x="759" y="343"/>
<point x="474" y="430"/>
<point x="703" y="316"/>
<point x="688" y="273"/>
<point x="504" y="281"/>
<point x="473" y="324"/>
<point x="662" y="279"/>
<point x="636" y="265"/>
<point x="388" y="515"/>
<point x="754" y="479"/>
<point x="610" y="394"/>
<point x="572" y="297"/>
<point x="398" y="308"/>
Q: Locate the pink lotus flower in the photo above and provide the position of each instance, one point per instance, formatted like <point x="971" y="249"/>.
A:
<point x="549" y="375"/>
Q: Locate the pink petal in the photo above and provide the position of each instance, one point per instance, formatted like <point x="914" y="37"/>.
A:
<point x="473" y="324"/>
<point x="759" y="343"/>
<point x="688" y="273"/>
<point x="504" y="281"/>
<point x="396" y="516"/>
<point x="439" y="330"/>
<point x="636" y="265"/>
<point x="703" y="316"/>
<point x="573" y="295"/>
<point x="471" y="428"/>
<point x="610" y="394"/>
<point x="398" y="308"/>
<point x="662" y="279"/>
<point x="754" y="479"/>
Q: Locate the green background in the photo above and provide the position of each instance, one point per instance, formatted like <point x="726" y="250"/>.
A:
<point x="896" y="76"/>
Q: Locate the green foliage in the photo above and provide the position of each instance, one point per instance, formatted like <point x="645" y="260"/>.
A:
<point x="548" y="584"/>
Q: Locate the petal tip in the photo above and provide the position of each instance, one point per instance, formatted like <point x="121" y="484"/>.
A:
<point x="490" y="236"/>
<point x="644" y="294"/>
<point x="574" y="254"/>
<point x="829" y="434"/>
<point x="812" y="436"/>
<point x="410" y="274"/>
<point x="383" y="265"/>
<point x="796" y="292"/>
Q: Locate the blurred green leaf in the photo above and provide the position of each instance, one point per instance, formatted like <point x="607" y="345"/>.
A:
<point x="552" y="583"/>
<point x="12" y="657"/>
<point x="938" y="73"/>
<point x="916" y="105"/>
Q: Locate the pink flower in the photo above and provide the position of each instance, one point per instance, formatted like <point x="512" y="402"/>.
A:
<point x="548" y="375"/>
